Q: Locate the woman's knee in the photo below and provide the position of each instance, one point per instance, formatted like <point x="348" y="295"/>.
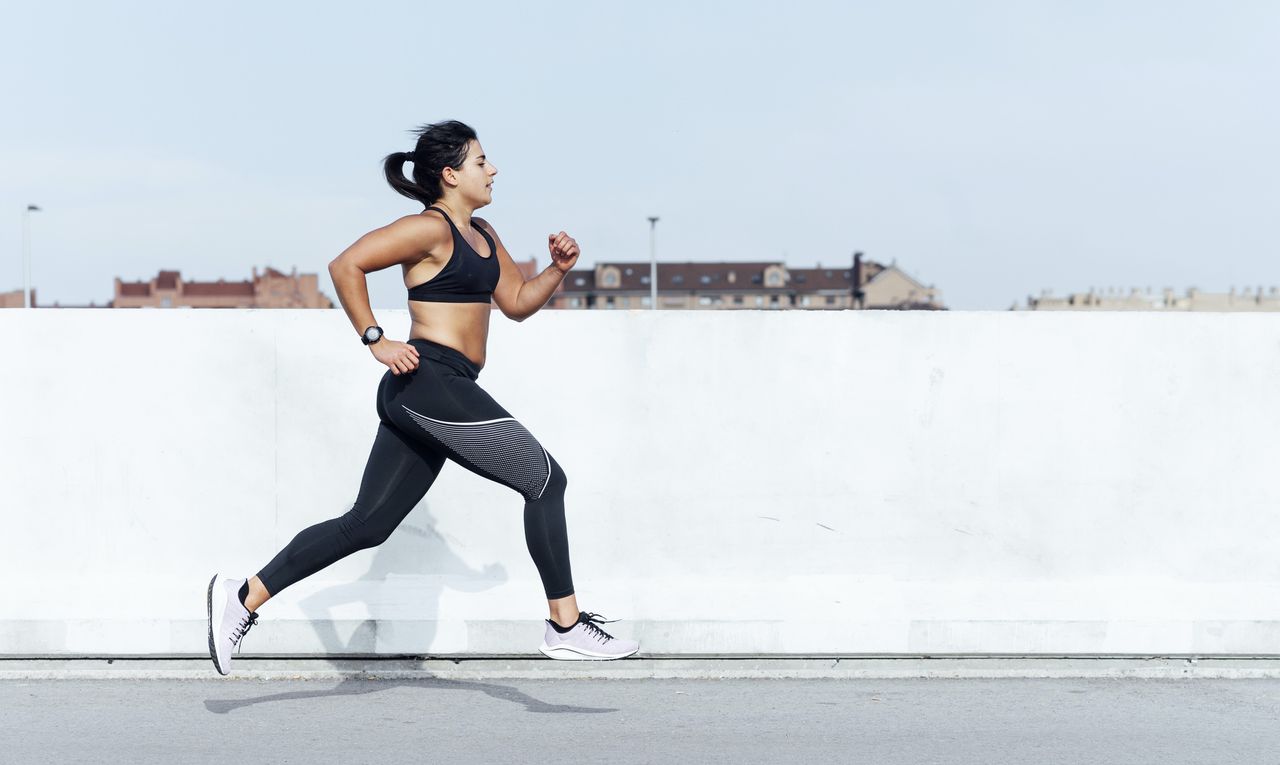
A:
<point x="362" y="534"/>
<point x="557" y="481"/>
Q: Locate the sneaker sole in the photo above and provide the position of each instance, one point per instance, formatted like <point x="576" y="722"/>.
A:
<point x="213" y="650"/>
<point x="564" y="653"/>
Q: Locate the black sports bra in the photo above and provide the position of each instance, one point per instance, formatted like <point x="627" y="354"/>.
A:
<point x="467" y="277"/>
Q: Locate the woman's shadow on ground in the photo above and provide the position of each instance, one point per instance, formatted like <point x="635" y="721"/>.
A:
<point x="415" y="548"/>
<point x="359" y="687"/>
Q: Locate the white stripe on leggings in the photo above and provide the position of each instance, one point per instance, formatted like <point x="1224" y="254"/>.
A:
<point x="491" y="445"/>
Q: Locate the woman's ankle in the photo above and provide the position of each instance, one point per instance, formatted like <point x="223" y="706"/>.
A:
<point x="257" y="594"/>
<point x="564" y="611"/>
<point x="565" y="621"/>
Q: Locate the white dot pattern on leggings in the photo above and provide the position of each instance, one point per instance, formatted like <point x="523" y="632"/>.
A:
<point x="503" y="448"/>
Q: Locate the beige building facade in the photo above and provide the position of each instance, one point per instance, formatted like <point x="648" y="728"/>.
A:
<point x="268" y="289"/>
<point x="1134" y="299"/>
<point x="745" y="286"/>
<point x="11" y="299"/>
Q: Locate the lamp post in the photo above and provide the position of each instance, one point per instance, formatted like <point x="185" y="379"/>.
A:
<point x="26" y="254"/>
<point x="653" y="263"/>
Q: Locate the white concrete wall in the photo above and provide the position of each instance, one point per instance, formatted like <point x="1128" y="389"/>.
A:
<point x="738" y="482"/>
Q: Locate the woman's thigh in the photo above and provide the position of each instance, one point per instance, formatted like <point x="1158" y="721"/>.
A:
<point x="454" y="414"/>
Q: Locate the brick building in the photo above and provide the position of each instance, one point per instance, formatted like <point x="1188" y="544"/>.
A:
<point x="268" y="289"/>
<point x="746" y="285"/>
<point x="1134" y="299"/>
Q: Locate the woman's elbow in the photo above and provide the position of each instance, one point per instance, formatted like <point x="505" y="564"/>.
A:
<point x="343" y="266"/>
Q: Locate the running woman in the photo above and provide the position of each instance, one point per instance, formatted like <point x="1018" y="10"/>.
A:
<point x="429" y="405"/>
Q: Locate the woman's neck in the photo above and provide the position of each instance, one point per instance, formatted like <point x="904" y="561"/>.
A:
<point x="458" y="210"/>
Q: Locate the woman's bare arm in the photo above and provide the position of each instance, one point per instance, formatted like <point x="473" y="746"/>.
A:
<point x="407" y="240"/>
<point x="519" y="299"/>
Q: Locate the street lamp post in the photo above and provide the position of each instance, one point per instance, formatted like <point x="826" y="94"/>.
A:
<point x="653" y="263"/>
<point x="26" y="254"/>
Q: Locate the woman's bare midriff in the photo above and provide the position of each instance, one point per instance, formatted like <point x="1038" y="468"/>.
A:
<point x="461" y="326"/>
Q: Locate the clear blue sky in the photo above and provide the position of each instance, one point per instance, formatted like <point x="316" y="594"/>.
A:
<point x="991" y="148"/>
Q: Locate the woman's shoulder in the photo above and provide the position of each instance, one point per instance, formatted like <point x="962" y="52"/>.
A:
<point x="423" y="232"/>
<point x="428" y="226"/>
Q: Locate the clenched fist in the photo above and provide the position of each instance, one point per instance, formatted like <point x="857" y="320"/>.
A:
<point x="564" y="251"/>
<point x="399" y="357"/>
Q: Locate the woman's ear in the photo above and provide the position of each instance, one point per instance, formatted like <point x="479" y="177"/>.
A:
<point x="449" y="176"/>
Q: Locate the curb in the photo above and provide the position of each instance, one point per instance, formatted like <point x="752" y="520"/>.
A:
<point x="682" y="668"/>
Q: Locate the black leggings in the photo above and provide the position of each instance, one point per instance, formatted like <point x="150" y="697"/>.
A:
<point x="428" y="415"/>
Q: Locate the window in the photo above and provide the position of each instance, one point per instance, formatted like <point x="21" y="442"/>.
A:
<point x="646" y="302"/>
<point x="757" y="279"/>
<point x="737" y="300"/>
<point x="609" y="278"/>
<point x="705" y="279"/>
<point x="608" y="302"/>
<point x="831" y="299"/>
<point x="579" y="282"/>
<point x="759" y="300"/>
<point x="804" y="301"/>
<point x="629" y="272"/>
<point x="704" y="300"/>
<point x="644" y="280"/>
<point x="773" y="300"/>
<point x="575" y="302"/>
<point x="677" y="279"/>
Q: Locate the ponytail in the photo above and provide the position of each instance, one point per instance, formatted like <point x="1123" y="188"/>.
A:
<point x="441" y="145"/>
<point x="393" y="168"/>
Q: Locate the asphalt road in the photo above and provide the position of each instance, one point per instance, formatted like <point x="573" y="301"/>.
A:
<point x="915" y="721"/>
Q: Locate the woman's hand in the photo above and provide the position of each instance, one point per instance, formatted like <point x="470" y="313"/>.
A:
<point x="564" y="251"/>
<point x="399" y="357"/>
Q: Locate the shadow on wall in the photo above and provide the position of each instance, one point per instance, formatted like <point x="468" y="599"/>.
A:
<point x="415" y="551"/>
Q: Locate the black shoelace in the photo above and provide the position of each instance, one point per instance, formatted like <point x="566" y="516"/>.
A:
<point x="592" y="624"/>
<point x="242" y="629"/>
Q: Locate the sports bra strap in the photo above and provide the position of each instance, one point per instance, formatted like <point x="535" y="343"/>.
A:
<point x="446" y="216"/>
<point x="493" y="248"/>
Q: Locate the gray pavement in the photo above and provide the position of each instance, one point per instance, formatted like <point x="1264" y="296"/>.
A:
<point x="231" y="720"/>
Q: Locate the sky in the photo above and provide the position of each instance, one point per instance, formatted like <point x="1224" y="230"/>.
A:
<point x="990" y="149"/>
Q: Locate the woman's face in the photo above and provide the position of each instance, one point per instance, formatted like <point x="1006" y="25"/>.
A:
<point x="475" y="177"/>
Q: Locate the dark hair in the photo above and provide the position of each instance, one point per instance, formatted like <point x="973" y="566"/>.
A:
<point x="441" y="145"/>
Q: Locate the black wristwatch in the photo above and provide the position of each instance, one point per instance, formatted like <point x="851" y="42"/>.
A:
<point x="371" y="335"/>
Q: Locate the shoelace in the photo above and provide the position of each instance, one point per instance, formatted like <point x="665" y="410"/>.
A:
<point x="242" y="629"/>
<point x="592" y="621"/>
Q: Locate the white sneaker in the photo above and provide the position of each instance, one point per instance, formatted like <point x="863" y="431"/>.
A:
<point x="586" y="641"/>
<point x="229" y="620"/>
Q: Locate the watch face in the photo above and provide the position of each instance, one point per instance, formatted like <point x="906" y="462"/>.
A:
<point x="372" y="334"/>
